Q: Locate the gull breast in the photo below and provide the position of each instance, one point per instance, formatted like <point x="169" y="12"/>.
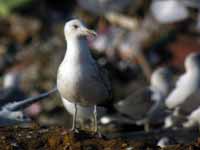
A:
<point x="81" y="84"/>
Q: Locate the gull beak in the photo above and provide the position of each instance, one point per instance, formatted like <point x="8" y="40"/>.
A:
<point x="89" y="32"/>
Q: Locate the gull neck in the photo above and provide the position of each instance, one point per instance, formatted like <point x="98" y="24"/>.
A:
<point x="77" y="50"/>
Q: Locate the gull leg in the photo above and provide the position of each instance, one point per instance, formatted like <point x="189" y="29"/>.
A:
<point x="95" y="119"/>
<point x="146" y="127"/>
<point x="74" y="118"/>
<point x="145" y="123"/>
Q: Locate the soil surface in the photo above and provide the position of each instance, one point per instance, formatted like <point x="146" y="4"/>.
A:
<point x="35" y="137"/>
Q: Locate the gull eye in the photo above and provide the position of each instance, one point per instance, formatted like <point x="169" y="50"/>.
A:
<point x="75" y="26"/>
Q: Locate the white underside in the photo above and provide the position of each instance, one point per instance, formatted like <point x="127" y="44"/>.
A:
<point x="83" y="112"/>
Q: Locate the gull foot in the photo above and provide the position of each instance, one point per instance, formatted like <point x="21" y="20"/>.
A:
<point x="75" y="130"/>
<point x="98" y="135"/>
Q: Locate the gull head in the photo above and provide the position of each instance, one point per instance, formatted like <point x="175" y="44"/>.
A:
<point x="160" y="75"/>
<point x="75" y="28"/>
<point x="11" y="79"/>
<point x="192" y="61"/>
<point x="161" y="79"/>
<point x="18" y="116"/>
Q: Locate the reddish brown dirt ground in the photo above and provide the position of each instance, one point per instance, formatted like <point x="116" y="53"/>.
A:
<point x="57" y="138"/>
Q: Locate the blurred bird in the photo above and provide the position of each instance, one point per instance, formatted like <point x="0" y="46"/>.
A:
<point x="147" y="104"/>
<point x="166" y="141"/>
<point x="185" y="97"/>
<point x="11" y="118"/>
<point x="79" y="78"/>
<point x="11" y="91"/>
<point x="170" y="11"/>
<point x="161" y="85"/>
<point x="193" y="119"/>
<point x="188" y="83"/>
<point x="12" y="111"/>
<point x="174" y="120"/>
<point x="12" y="100"/>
